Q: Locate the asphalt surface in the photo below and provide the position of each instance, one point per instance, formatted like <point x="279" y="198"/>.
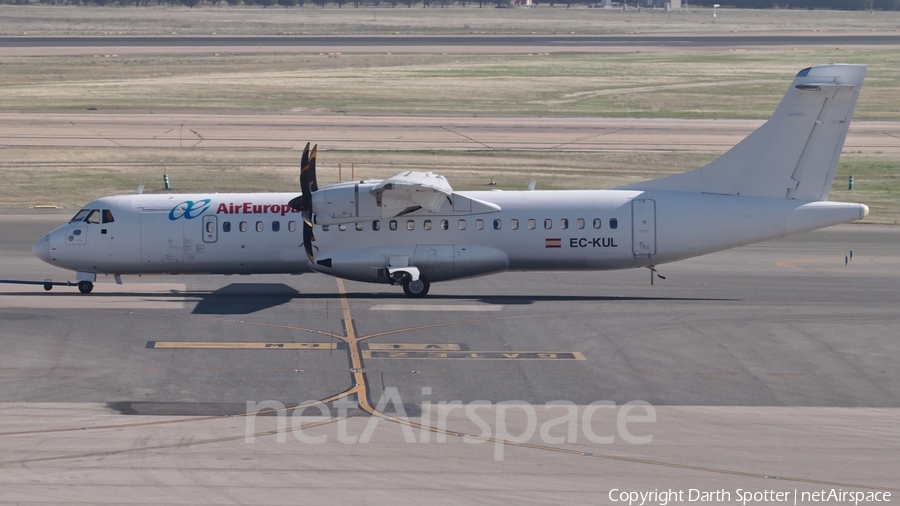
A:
<point x="486" y="41"/>
<point x="775" y="359"/>
<point x="777" y="324"/>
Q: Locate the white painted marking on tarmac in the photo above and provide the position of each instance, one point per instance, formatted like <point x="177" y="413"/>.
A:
<point x="437" y="307"/>
<point x="104" y="296"/>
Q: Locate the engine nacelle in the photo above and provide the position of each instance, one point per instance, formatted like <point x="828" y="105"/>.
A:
<point x="345" y="203"/>
<point x="434" y="262"/>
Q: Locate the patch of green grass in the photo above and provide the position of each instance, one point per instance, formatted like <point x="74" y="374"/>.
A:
<point x="876" y="183"/>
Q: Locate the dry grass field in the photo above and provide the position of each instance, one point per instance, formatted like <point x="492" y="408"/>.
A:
<point x="698" y="84"/>
<point x="65" y="175"/>
<point x="727" y="82"/>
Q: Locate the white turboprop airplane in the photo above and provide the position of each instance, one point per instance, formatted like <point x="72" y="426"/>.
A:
<point x="412" y="229"/>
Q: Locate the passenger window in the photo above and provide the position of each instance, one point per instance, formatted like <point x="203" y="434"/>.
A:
<point x="479" y="224"/>
<point x="531" y="224"/>
<point x="548" y="223"/>
<point x="597" y="222"/>
<point x="210" y="227"/>
<point x="579" y="223"/>
<point x="226" y="226"/>
<point x="410" y="225"/>
<point x="259" y="226"/>
<point x="376" y="225"/>
<point x="342" y="227"/>
<point x="243" y="226"/>
<point x="462" y="224"/>
<point x="276" y="226"/>
<point x="325" y="228"/>
<point x="93" y="217"/>
<point x="359" y="226"/>
<point x="108" y="217"/>
<point x="514" y="224"/>
<point x="393" y="225"/>
<point x="497" y="224"/>
<point x="564" y="223"/>
<point x="292" y="226"/>
<point x="427" y="225"/>
<point x="79" y="216"/>
<point x="445" y="224"/>
<point x="613" y="223"/>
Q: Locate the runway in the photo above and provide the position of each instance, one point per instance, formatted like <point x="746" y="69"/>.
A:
<point x="767" y="367"/>
<point x="479" y="41"/>
<point x="35" y="46"/>
<point x="392" y="132"/>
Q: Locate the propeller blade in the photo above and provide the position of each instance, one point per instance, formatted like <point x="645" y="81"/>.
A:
<point x="303" y="203"/>
<point x="306" y="182"/>
<point x="304" y="171"/>
<point x="308" y="240"/>
<point x="313" y="183"/>
<point x="300" y="203"/>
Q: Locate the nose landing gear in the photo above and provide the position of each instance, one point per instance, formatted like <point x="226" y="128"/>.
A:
<point x="48" y="284"/>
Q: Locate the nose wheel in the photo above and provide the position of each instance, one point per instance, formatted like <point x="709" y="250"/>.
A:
<point x="84" y="287"/>
<point x="417" y="288"/>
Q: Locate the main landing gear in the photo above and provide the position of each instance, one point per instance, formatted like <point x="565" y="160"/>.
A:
<point x="412" y="288"/>
<point x="417" y="288"/>
<point x="84" y="287"/>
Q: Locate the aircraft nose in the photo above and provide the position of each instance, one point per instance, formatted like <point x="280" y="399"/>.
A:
<point x="41" y="248"/>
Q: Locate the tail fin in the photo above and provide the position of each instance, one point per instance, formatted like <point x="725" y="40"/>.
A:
<point x="793" y="155"/>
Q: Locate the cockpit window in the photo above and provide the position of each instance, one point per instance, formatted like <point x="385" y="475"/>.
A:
<point x="107" y="216"/>
<point x="79" y="216"/>
<point x="93" y="216"/>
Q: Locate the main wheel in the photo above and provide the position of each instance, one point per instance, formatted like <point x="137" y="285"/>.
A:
<point x="418" y="288"/>
<point x="85" y="286"/>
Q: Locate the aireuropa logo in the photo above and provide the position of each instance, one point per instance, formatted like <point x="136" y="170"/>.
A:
<point x="189" y="209"/>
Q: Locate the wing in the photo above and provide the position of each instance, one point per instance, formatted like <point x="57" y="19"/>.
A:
<point x="404" y="193"/>
<point x="411" y="190"/>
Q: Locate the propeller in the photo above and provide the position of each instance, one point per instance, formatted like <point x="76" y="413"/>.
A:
<point x="303" y="203"/>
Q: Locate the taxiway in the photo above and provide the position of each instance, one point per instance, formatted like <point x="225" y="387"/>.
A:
<point x="772" y="366"/>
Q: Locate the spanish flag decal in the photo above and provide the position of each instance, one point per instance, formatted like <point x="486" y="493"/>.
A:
<point x="553" y="243"/>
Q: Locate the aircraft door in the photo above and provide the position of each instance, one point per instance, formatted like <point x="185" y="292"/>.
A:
<point x="210" y="228"/>
<point x="643" y="227"/>
<point x="161" y="239"/>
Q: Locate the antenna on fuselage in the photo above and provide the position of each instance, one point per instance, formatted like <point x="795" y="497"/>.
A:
<point x="654" y="274"/>
<point x="140" y="190"/>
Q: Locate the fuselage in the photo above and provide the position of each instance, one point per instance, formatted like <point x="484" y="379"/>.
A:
<point x="533" y="230"/>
